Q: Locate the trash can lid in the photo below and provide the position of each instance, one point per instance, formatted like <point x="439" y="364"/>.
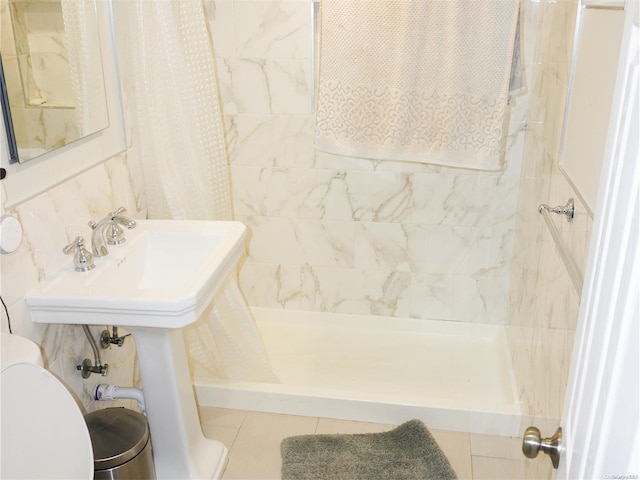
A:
<point x="117" y="435"/>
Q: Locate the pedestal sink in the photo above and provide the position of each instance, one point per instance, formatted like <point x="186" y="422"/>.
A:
<point x="160" y="280"/>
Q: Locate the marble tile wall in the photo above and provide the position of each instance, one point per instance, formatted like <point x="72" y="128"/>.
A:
<point x="349" y="235"/>
<point x="50" y="221"/>
<point x="544" y="303"/>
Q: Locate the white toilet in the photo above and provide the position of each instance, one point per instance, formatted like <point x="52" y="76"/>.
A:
<point x="44" y="435"/>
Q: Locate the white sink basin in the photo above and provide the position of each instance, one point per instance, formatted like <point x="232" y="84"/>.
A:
<point x="163" y="276"/>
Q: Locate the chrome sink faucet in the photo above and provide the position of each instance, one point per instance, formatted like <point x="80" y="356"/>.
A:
<point x="108" y="231"/>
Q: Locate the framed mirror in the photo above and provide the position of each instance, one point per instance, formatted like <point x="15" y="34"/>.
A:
<point x="52" y="75"/>
<point x="591" y="84"/>
<point x="24" y="181"/>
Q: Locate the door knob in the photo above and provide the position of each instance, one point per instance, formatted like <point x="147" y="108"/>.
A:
<point x="532" y="443"/>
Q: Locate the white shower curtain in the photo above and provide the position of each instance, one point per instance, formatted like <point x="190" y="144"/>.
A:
<point x="85" y="67"/>
<point x="171" y="98"/>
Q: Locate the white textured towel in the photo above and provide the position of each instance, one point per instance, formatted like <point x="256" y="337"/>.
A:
<point x="417" y="80"/>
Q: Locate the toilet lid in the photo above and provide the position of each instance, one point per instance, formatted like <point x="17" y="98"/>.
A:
<point x="44" y="435"/>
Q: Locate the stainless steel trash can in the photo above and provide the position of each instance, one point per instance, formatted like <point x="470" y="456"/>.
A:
<point x="121" y="445"/>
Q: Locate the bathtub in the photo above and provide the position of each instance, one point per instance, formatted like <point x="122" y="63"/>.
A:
<point x="453" y="376"/>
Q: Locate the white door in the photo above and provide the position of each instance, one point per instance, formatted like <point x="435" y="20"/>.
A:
<point x="601" y="410"/>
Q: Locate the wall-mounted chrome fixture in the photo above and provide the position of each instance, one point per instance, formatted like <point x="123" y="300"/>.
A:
<point x="86" y="368"/>
<point x="107" y="339"/>
<point x="568" y="210"/>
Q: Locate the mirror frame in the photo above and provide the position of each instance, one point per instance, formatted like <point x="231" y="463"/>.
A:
<point x="17" y="152"/>
<point x="7" y="119"/>
<point x="27" y="180"/>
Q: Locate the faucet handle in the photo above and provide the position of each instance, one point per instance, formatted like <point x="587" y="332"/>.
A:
<point x="83" y="260"/>
<point x="120" y="219"/>
<point x="114" y="234"/>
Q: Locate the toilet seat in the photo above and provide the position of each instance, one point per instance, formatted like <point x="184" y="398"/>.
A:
<point x="44" y="435"/>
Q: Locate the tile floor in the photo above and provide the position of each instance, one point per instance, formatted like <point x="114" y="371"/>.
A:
<point x="253" y="440"/>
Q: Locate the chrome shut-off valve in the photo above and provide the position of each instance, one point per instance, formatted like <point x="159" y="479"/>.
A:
<point x="107" y="339"/>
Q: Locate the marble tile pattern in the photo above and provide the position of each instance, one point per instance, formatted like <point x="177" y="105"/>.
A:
<point x="544" y="304"/>
<point x="342" y="234"/>
<point x="50" y="221"/>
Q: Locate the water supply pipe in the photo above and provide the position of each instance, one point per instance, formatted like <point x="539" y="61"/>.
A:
<point x="92" y="342"/>
<point x="105" y="392"/>
<point x="86" y="368"/>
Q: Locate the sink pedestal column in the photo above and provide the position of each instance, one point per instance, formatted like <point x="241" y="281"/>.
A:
<point x="179" y="447"/>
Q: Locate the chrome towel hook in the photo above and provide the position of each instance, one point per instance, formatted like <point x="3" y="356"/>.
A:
<point x="568" y="210"/>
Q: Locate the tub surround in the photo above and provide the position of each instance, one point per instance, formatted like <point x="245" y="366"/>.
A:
<point x="351" y="235"/>
<point x="344" y="235"/>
